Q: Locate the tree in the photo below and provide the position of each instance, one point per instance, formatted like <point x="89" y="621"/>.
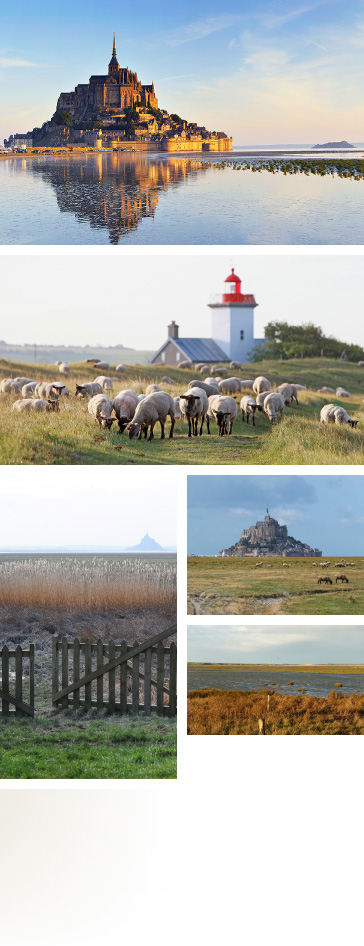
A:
<point x="176" y="119"/>
<point x="62" y="117"/>
<point x="295" y="341"/>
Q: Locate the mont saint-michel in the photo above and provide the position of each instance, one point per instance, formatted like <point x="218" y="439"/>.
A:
<point x="268" y="538"/>
<point x="114" y="109"/>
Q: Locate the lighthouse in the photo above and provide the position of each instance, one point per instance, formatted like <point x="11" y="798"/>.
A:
<point x="232" y="320"/>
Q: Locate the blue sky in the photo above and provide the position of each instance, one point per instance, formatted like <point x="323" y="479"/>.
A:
<point x="326" y="512"/>
<point x="268" y="71"/>
<point x="270" y="643"/>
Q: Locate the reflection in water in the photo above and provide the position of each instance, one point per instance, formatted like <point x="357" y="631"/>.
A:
<point x="112" y="191"/>
<point x="244" y="678"/>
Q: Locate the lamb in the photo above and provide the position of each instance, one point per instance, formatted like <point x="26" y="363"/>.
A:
<point x="224" y="409"/>
<point x="152" y="389"/>
<point x="35" y="404"/>
<point x="230" y="386"/>
<point x="88" y="390"/>
<point x="208" y="388"/>
<point x="155" y="407"/>
<point x="28" y="389"/>
<point x="195" y="406"/>
<point x="64" y="368"/>
<point x="333" y="414"/>
<point x="248" y="407"/>
<point x="100" y="407"/>
<point x="274" y="405"/>
<point x="106" y="383"/>
<point x="288" y="392"/>
<point x="125" y="404"/>
<point x="50" y="389"/>
<point x="261" y="384"/>
<point x="340" y="392"/>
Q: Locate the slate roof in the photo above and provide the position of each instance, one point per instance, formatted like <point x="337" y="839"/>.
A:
<point x="196" y="349"/>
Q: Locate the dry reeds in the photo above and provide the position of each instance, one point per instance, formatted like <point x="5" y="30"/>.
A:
<point x="231" y="712"/>
<point x="72" y="584"/>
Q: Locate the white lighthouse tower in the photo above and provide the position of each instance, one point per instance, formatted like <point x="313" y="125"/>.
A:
<point x="232" y="320"/>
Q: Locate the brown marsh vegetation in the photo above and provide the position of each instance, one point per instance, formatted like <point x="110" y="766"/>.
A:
<point x="231" y="712"/>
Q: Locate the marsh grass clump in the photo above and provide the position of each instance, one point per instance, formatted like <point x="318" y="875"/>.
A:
<point x="231" y="712"/>
<point x="96" y="583"/>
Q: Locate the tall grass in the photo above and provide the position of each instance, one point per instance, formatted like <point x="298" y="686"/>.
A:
<point x="230" y="712"/>
<point x="79" y="585"/>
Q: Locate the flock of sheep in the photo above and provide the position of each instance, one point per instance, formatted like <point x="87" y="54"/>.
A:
<point x="214" y="399"/>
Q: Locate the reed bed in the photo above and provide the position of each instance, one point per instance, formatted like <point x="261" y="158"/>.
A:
<point x="230" y="712"/>
<point x="88" y="585"/>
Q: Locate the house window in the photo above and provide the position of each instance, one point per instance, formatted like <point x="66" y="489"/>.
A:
<point x="178" y="357"/>
<point x="241" y="335"/>
<point x="163" y="356"/>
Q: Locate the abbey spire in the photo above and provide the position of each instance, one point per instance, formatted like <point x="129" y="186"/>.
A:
<point x="113" y="64"/>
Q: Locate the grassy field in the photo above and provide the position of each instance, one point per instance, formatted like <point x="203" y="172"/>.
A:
<point x="229" y="712"/>
<point x="236" y="586"/>
<point x="72" y="437"/>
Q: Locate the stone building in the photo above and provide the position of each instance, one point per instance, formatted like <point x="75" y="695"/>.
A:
<point x="119" y="89"/>
<point x="267" y="538"/>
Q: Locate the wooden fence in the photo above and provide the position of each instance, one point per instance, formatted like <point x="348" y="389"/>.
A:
<point x="141" y="678"/>
<point x="15" y="679"/>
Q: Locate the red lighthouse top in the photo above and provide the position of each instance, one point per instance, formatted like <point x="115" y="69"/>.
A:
<point x="234" y="294"/>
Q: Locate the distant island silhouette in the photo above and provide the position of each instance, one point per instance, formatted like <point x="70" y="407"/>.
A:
<point x="146" y="544"/>
<point x="334" y="144"/>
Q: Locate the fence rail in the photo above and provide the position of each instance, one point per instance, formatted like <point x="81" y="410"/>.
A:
<point x="111" y="675"/>
<point x="19" y="679"/>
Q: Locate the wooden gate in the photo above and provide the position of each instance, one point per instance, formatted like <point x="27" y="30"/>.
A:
<point x="110" y="673"/>
<point x="23" y="668"/>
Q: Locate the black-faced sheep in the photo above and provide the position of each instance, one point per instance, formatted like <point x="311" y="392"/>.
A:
<point x="208" y="388"/>
<point x="50" y="390"/>
<point x="154" y="407"/>
<point x="230" y="386"/>
<point x="288" y="392"/>
<point x="100" y="408"/>
<point x="195" y="405"/>
<point x="224" y="410"/>
<point x="125" y="404"/>
<point x="333" y="414"/>
<point x="261" y="385"/>
<point x="106" y="383"/>
<point x="274" y="406"/>
<point x="248" y="407"/>
<point x="35" y="404"/>
<point x="88" y="390"/>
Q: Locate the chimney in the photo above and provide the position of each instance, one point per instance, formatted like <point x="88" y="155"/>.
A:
<point x="173" y="330"/>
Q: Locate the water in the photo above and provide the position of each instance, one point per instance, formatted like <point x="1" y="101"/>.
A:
<point x="157" y="199"/>
<point x="242" y="678"/>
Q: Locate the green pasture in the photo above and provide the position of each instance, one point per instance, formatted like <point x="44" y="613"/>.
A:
<point x="72" y="437"/>
<point x="237" y="586"/>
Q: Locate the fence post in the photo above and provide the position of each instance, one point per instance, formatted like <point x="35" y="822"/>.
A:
<point x="160" y="678"/>
<point x="64" y="670"/>
<point x="76" y="672"/>
<point x="88" y="664"/>
<point x="100" y="680"/>
<point x="18" y="677"/>
<point x="31" y="675"/>
<point x="135" y="692"/>
<point x="55" y="667"/>
<point x="123" y="680"/>
<point x="5" y="679"/>
<point x="172" y="679"/>
<point x="261" y="724"/>
<point x="147" y="681"/>
<point x="111" y="678"/>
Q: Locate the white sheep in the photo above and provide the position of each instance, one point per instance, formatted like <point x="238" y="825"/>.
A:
<point x="64" y="368"/>
<point x="208" y="388"/>
<point x="259" y="400"/>
<point x="274" y="405"/>
<point x="288" y="392"/>
<point x="125" y="404"/>
<point x="101" y="364"/>
<point x="50" y="389"/>
<point x="88" y="390"/>
<point x="333" y="414"/>
<point x="247" y="383"/>
<point x="325" y="390"/>
<point x="261" y="384"/>
<point x="213" y="384"/>
<point x="177" y="408"/>
<point x="224" y="410"/>
<point x="152" y="389"/>
<point x="248" y="406"/>
<point x="166" y="380"/>
<point x="35" y="404"/>
<point x="236" y="365"/>
<point x="154" y="407"/>
<point x="100" y="407"/>
<point x="106" y="383"/>
<point x="10" y="386"/>
<point x="120" y="368"/>
<point x="340" y="392"/>
<point x="195" y="407"/>
<point x="184" y="364"/>
<point x="230" y="386"/>
<point x="28" y="389"/>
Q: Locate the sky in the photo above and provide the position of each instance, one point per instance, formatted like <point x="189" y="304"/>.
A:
<point x="326" y="512"/>
<point x="91" y="506"/>
<point x="269" y="643"/>
<point x="265" y="71"/>
<point x="148" y="291"/>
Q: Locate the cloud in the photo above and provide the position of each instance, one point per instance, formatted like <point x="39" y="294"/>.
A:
<point x="273" y="21"/>
<point x="199" y="29"/>
<point x="18" y="63"/>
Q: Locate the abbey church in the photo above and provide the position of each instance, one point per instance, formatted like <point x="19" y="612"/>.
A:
<point x="119" y="89"/>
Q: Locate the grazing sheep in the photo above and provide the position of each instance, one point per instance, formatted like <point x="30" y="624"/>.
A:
<point x="247" y="383"/>
<point x="209" y="389"/>
<point x="50" y="390"/>
<point x="64" y="368"/>
<point x="259" y="400"/>
<point x="101" y="364"/>
<point x="152" y="388"/>
<point x="203" y="368"/>
<point x="184" y="364"/>
<point x="23" y="380"/>
<point x="259" y="565"/>
<point x="341" y="578"/>
<point x="248" y="407"/>
<point x="273" y="405"/>
<point x="261" y="384"/>
<point x="177" y="408"/>
<point x="125" y="404"/>
<point x="100" y="408"/>
<point x="224" y="409"/>
<point x="120" y="368"/>
<point x="230" y="386"/>
<point x="88" y="390"/>
<point x="155" y="407"/>
<point x="340" y="392"/>
<point x="236" y="365"/>
<point x="28" y="389"/>
<point x="195" y="405"/>
<point x="325" y="579"/>
<point x="360" y="364"/>
<point x="106" y="383"/>
<point x="166" y="380"/>
<point x="10" y="386"/>
<point x="213" y="384"/>
<point x="35" y="404"/>
<point x="314" y="564"/>
<point x="332" y="414"/>
<point x="288" y="392"/>
<point x="325" y="390"/>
